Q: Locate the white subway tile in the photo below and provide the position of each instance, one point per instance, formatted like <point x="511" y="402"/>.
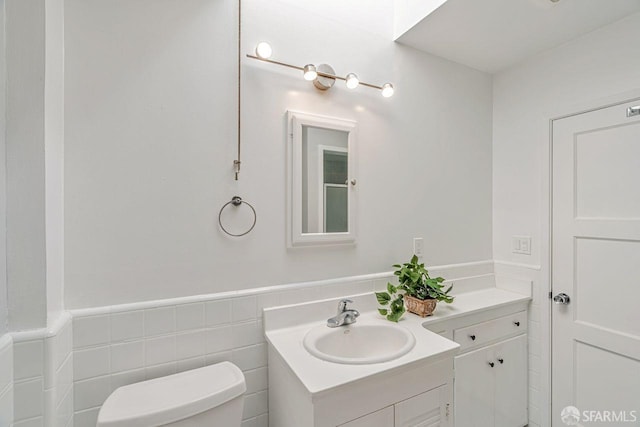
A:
<point x="534" y="415"/>
<point x="262" y="420"/>
<point x="91" y="362"/>
<point x="255" y="404"/>
<point x="28" y="399"/>
<point x="244" y="308"/>
<point x="247" y="333"/>
<point x="534" y="380"/>
<point x="219" y="339"/>
<point x="257" y="380"/>
<point x="268" y="300"/>
<point x="64" y="410"/>
<point x="190" y="344"/>
<point x="64" y="378"/>
<point x="49" y="397"/>
<point x="160" y="350"/>
<point x="6" y="367"/>
<point x="127" y="356"/>
<point x="190" y="316"/>
<point x="127" y="325"/>
<point x="28" y="359"/>
<point x="161" y="370"/>
<point x="128" y="377"/>
<point x="59" y="346"/>
<point x="90" y="331"/>
<point x="159" y="321"/>
<point x="218" y="312"/>
<point x="87" y="418"/>
<point x="212" y="359"/>
<point x="189" y="364"/>
<point x="91" y="393"/>
<point x="6" y="407"/>
<point x="250" y="357"/>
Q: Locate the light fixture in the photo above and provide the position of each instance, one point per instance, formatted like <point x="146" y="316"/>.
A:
<point x="263" y="50"/>
<point x="322" y="76"/>
<point x="352" y="81"/>
<point x="310" y="72"/>
<point x="387" y="90"/>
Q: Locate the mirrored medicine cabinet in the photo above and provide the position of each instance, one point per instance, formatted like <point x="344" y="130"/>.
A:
<point x="321" y="183"/>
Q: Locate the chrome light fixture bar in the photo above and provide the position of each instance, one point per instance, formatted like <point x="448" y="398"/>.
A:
<point x="322" y="75"/>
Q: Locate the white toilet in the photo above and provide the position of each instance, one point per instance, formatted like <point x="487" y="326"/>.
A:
<point x="212" y="396"/>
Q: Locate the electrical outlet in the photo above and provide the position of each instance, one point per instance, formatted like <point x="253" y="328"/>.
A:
<point x="418" y="246"/>
<point x="521" y="245"/>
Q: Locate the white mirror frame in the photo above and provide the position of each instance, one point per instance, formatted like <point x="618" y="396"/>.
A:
<point x="295" y="236"/>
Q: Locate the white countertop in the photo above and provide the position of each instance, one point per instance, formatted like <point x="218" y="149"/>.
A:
<point x="285" y="328"/>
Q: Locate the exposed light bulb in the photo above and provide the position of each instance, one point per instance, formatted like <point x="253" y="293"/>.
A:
<point x="352" y="81"/>
<point x="310" y="72"/>
<point x="263" y="50"/>
<point x="387" y="90"/>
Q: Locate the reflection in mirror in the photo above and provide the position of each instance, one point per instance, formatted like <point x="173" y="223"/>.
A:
<point x="321" y="180"/>
<point x="324" y="180"/>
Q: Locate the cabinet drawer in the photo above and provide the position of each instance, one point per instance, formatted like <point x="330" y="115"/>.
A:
<point x="481" y="333"/>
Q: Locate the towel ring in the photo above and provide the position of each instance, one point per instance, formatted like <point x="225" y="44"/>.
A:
<point x="237" y="201"/>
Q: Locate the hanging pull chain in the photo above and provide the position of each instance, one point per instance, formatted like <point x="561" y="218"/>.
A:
<point x="236" y="163"/>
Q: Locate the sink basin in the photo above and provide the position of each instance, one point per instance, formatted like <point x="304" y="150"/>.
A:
<point x="359" y="344"/>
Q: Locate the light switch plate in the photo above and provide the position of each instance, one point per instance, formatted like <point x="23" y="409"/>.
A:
<point x="521" y="245"/>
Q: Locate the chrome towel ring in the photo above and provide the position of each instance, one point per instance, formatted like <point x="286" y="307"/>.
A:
<point x="237" y="201"/>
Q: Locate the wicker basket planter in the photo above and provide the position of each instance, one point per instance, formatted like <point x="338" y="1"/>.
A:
<point x="422" y="308"/>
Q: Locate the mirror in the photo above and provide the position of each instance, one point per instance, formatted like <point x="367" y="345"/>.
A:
<point x="321" y="180"/>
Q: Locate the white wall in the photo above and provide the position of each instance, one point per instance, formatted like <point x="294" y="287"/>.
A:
<point x="26" y="259"/>
<point x="3" y="177"/>
<point x="598" y="66"/>
<point x="54" y="155"/>
<point x="150" y="142"/>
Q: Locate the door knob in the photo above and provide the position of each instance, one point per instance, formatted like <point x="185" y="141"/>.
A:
<point x="562" y="298"/>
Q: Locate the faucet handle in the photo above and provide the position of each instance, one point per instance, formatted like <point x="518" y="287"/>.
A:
<point x="342" y="305"/>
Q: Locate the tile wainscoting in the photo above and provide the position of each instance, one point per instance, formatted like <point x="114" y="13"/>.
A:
<point x="6" y="380"/>
<point x="539" y="388"/>
<point x="118" y="345"/>
<point x="62" y="375"/>
<point x="43" y="376"/>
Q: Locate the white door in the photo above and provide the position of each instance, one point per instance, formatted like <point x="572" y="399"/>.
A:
<point x="596" y="265"/>
<point x="511" y="382"/>
<point x="475" y="389"/>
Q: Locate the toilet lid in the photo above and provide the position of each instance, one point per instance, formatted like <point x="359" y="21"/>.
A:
<point x="175" y="397"/>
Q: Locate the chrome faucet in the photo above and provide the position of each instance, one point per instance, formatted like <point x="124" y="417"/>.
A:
<point x="345" y="316"/>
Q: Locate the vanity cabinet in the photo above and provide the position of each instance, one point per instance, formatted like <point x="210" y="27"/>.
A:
<point x="491" y="371"/>
<point x="428" y="409"/>
<point x="490" y="380"/>
<point x="491" y="385"/>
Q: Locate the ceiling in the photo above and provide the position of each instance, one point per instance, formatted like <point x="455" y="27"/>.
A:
<point x="491" y="35"/>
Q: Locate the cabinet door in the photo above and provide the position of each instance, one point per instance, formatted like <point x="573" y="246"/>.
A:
<point x="381" y="418"/>
<point x="474" y="386"/>
<point x="511" y="382"/>
<point x="424" y="410"/>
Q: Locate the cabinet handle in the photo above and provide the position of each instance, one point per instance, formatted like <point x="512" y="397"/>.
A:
<point x="491" y="364"/>
<point x="473" y="337"/>
<point x="501" y="361"/>
<point x="516" y="323"/>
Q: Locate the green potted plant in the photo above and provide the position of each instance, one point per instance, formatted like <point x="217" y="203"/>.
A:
<point x="416" y="289"/>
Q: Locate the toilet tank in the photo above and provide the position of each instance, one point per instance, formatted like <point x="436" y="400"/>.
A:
<point x="213" y="393"/>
